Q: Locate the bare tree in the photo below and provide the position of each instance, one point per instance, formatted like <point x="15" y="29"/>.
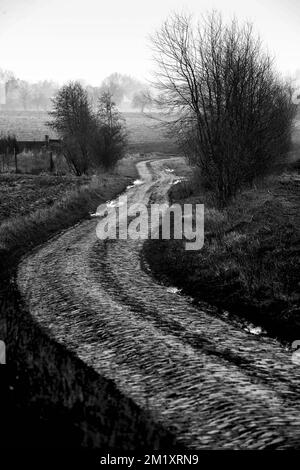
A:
<point x="24" y="93"/>
<point x="232" y="113"/>
<point x="114" y="85"/>
<point x="74" y="122"/>
<point x="121" y="87"/>
<point x="141" y="99"/>
<point x="111" y="136"/>
<point x="89" y="139"/>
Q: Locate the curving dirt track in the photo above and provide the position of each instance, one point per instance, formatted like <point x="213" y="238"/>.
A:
<point x="211" y="383"/>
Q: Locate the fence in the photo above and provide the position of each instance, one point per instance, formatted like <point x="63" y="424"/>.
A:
<point x="33" y="157"/>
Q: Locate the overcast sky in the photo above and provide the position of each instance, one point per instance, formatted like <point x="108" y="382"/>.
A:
<point x="89" y="39"/>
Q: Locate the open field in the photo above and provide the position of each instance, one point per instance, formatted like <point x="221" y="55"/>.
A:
<point x="22" y="194"/>
<point x="144" y="134"/>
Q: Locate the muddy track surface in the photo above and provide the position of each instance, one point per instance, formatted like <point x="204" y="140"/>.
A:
<point x="209" y="382"/>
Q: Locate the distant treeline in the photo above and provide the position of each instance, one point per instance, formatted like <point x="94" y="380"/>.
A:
<point x="17" y="94"/>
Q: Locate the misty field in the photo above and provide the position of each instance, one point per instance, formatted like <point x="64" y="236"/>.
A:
<point x="144" y="133"/>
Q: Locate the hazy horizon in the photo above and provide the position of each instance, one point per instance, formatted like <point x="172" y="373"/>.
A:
<point x="63" y="40"/>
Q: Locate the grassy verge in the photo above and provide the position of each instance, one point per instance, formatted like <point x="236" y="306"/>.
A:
<point x="250" y="262"/>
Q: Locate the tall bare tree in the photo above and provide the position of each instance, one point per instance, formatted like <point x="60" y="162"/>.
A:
<point x="89" y="139"/>
<point x="142" y="99"/>
<point x="112" y="136"/>
<point x="73" y="120"/>
<point x="232" y="113"/>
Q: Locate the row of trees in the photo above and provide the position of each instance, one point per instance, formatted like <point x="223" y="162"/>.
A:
<point x="90" y="138"/>
<point x="229" y="110"/>
<point x="20" y="94"/>
<point x="124" y="90"/>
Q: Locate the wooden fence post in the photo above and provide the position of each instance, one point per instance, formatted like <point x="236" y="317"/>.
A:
<point x="51" y="166"/>
<point x="16" y="160"/>
<point x="7" y="159"/>
<point x="51" y="163"/>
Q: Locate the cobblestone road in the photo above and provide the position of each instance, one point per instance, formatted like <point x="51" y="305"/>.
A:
<point x="211" y="383"/>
